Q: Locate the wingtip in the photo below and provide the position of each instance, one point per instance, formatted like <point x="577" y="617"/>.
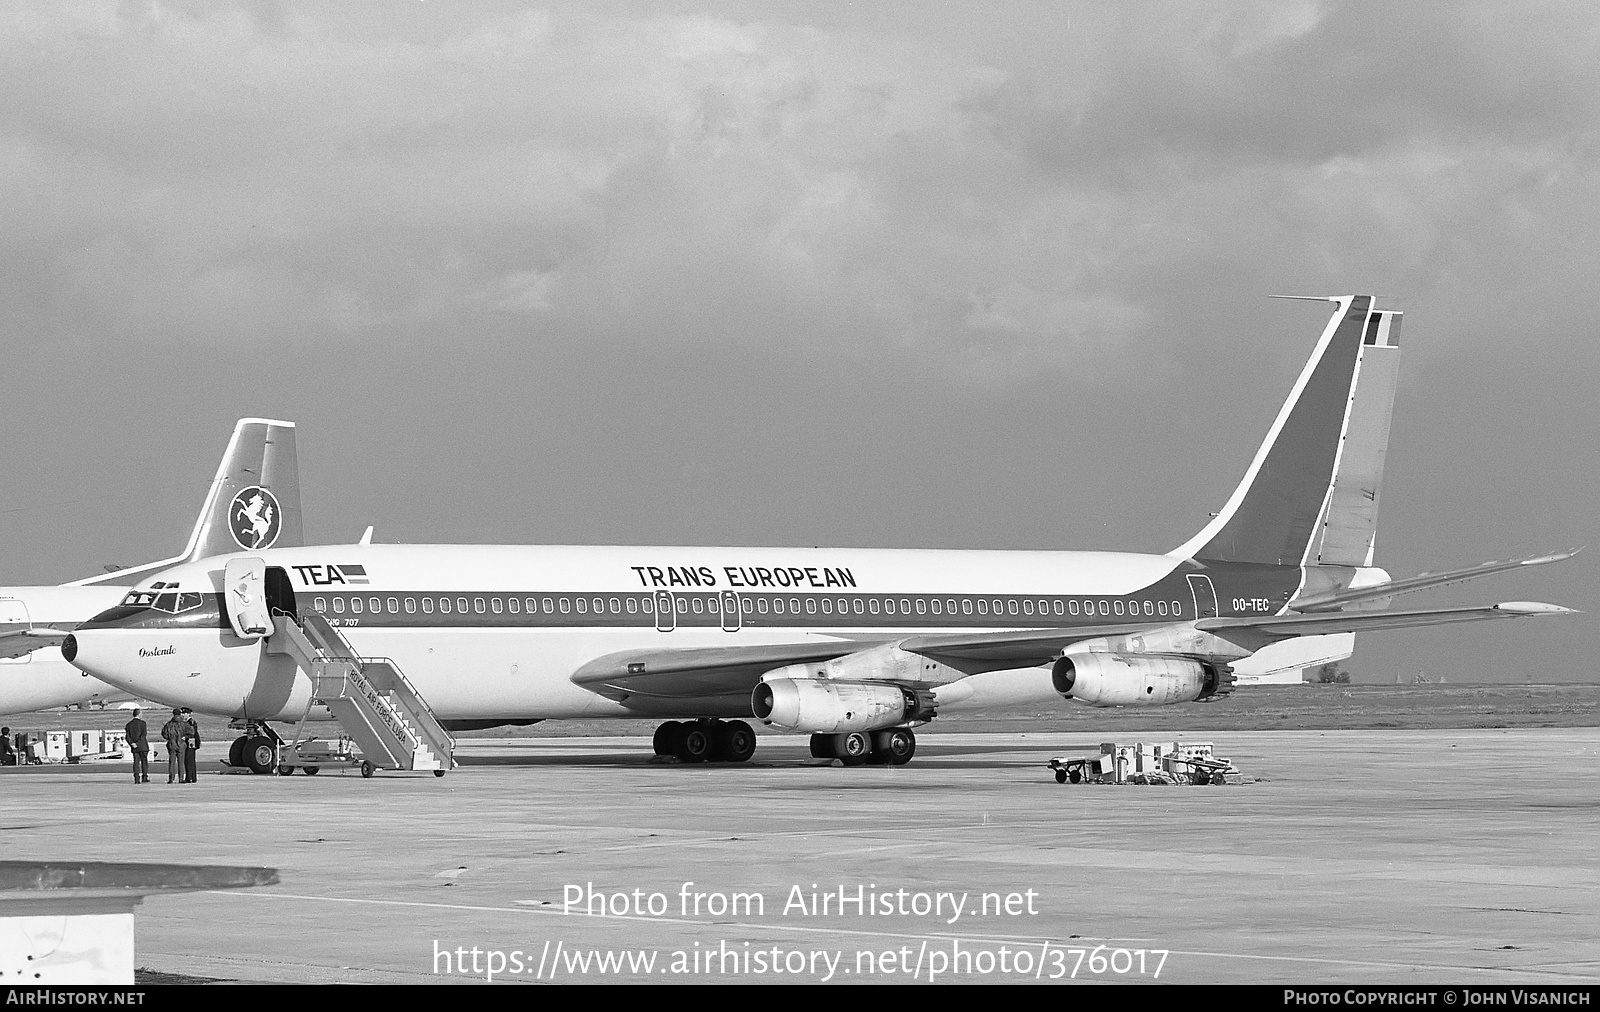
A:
<point x="1534" y="608"/>
<point x="1539" y="560"/>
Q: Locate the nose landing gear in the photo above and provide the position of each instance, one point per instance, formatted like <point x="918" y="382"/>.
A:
<point x="256" y="749"/>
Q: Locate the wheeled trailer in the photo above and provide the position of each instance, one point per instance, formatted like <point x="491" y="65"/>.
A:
<point x="1141" y="763"/>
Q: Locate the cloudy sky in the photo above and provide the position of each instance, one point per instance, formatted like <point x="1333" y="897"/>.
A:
<point x="880" y="275"/>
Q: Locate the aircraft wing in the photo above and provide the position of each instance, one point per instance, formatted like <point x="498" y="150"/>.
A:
<point x="705" y="674"/>
<point x="1338" y="599"/>
<point x="702" y="672"/>
<point x="699" y="672"/>
<point x="1279" y="626"/>
<point x="19" y="640"/>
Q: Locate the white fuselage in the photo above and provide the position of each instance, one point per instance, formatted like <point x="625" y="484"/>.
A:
<point x="498" y="633"/>
<point x="41" y="678"/>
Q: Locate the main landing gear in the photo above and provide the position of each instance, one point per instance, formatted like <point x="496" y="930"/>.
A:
<point x="892" y="747"/>
<point x="706" y="741"/>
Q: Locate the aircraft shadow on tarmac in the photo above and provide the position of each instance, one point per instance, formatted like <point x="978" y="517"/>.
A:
<point x="782" y="756"/>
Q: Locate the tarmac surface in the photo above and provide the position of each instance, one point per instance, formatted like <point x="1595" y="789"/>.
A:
<point x="1351" y="857"/>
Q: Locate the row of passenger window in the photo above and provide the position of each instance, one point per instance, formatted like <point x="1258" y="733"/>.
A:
<point x="750" y="605"/>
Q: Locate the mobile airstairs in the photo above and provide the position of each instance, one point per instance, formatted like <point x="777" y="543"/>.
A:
<point x="379" y="710"/>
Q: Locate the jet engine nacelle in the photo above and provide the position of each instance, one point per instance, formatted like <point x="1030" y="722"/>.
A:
<point x="1124" y="680"/>
<point x="821" y="706"/>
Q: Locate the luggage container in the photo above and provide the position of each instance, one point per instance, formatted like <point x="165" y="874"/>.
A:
<point x="81" y="743"/>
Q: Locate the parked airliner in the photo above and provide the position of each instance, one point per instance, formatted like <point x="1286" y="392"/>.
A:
<point x="853" y="647"/>
<point x="253" y="501"/>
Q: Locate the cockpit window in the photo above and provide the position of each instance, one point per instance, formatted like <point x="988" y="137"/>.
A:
<point x="163" y="596"/>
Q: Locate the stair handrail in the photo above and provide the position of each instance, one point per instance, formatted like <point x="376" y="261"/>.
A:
<point x="415" y="701"/>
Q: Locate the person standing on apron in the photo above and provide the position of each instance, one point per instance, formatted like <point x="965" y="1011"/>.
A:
<point x="139" y="744"/>
<point x="194" y="746"/>
<point x="175" y="733"/>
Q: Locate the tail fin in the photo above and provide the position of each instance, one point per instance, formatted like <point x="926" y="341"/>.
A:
<point x="253" y="502"/>
<point x="1311" y="494"/>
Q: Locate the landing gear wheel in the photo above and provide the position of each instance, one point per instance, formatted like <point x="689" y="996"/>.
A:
<point x="853" y="747"/>
<point x="736" y="742"/>
<point x="822" y="746"/>
<point x="310" y="771"/>
<point x="696" y="744"/>
<point x="666" y="738"/>
<point x="1200" y="778"/>
<point x="1076" y="776"/>
<point x="236" y="751"/>
<point x="1061" y="776"/>
<point x="902" y="746"/>
<point x="259" y="754"/>
<point x="895" y="746"/>
<point x="438" y="773"/>
<point x="367" y="769"/>
<point x="285" y="770"/>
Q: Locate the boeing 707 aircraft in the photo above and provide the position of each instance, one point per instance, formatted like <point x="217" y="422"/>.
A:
<point x="253" y="501"/>
<point x="856" y="648"/>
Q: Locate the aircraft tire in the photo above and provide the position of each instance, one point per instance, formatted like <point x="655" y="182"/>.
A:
<point x="735" y="742"/>
<point x="822" y="746"/>
<point x="853" y="747"/>
<point x="259" y="754"/>
<point x="696" y="744"/>
<point x="902" y="746"/>
<point x="1061" y="776"/>
<point x="893" y="747"/>
<point x="665" y="740"/>
<point x="1076" y="776"/>
<point x="236" y="751"/>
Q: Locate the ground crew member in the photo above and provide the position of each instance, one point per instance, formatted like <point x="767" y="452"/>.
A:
<point x="194" y="746"/>
<point x="7" y="756"/>
<point x="175" y="733"/>
<point x="139" y="743"/>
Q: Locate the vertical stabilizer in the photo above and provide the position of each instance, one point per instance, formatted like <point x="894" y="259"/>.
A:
<point x="1349" y="529"/>
<point x="253" y="502"/>
<point x="1311" y="493"/>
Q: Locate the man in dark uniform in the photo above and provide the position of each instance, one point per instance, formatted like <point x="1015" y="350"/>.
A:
<point x="7" y="756"/>
<point x="139" y="743"/>
<point x="194" y="746"/>
<point x="175" y="732"/>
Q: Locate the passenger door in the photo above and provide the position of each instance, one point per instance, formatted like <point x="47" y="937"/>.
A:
<point x="1205" y="596"/>
<point x="244" y="595"/>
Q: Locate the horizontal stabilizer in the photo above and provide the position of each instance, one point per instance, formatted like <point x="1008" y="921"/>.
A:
<point x="1335" y="600"/>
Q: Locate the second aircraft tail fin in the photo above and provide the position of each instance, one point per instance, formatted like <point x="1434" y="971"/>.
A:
<point x="253" y="502"/>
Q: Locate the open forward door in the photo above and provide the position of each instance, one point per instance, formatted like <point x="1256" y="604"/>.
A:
<point x="244" y="588"/>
